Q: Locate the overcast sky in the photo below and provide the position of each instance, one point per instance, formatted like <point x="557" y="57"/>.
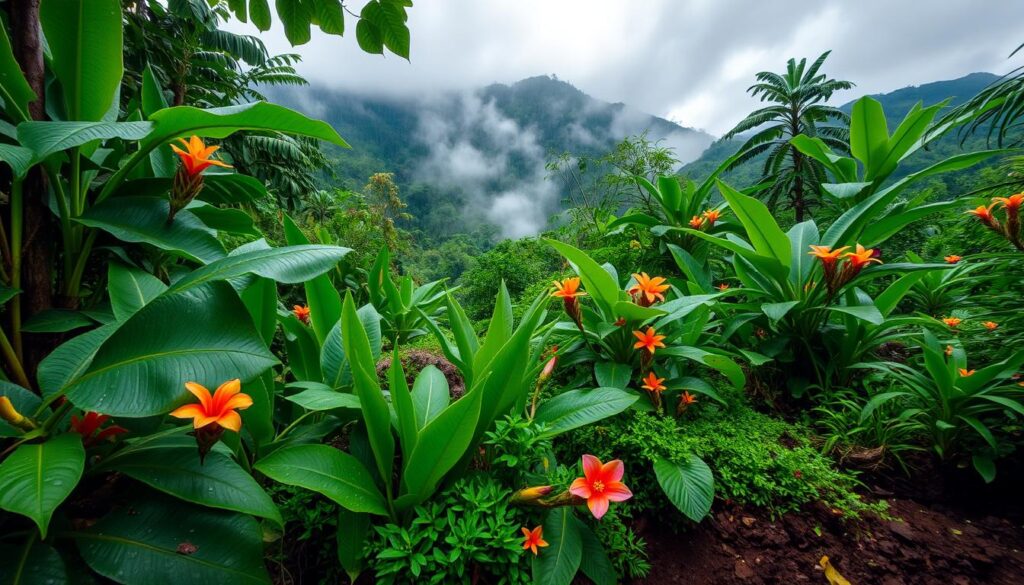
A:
<point x="690" y="61"/>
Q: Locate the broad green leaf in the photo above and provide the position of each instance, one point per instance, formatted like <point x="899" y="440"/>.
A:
<point x="321" y="296"/>
<point x="144" y="219"/>
<point x="130" y="288"/>
<point x="260" y="298"/>
<point x="401" y="400"/>
<point x="985" y="467"/>
<point x="577" y="408"/>
<point x="729" y="368"/>
<point x="890" y="225"/>
<point x="303" y="349"/>
<point x="430" y="395"/>
<point x="37" y="477"/>
<point x="869" y="134"/>
<point x="223" y="219"/>
<point x="328" y="471"/>
<point x="776" y="311"/>
<point x="18" y="158"/>
<point x="15" y="91"/>
<point x="321" y="397"/>
<point x="801" y="237"/>
<point x="222" y="122"/>
<point x="259" y="10"/>
<point x="85" y="40"/>
<point x="334" y="362"/>
<point x="690" y="486"/>
<point x="142" y="368"/>
<point x="594" y="561"/>
<point x="596" y="280"/>
<point x="56" y="321"/>
<point x="763" y="232"/>
<point x="158" y="541"/>
<point x="558" y="562"/>
<point x="353" y="530"/>
<point x="71" y="359"/>
<point x="171" y="465"/>
<point x="46" y="138"/>
<point x="31" y="563"/>
<point x="376" y="414"/>
<point x="868" y="313"/>
<point x="290" y="264"/>
<point x="330" y="16"/>
<point x="440" y="445"/>
<point x="613" y="374"/>
<point x="295" y="17"/>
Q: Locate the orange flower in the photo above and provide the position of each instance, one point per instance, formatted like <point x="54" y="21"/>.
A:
<point x="696" y="222"/>
<point x="964" y="372"/>
<point x="991" y="325"/>
<point x="302" y="312"/>
<point x="600" y="484"/>
<point x="218" y="409"/>
<point x="687" y="398"/>
<point x="648" y="340"/>
<point x="648" y="289"/>
<point x="953" y="259"/>
<point x="985" y="215"/>
<point x="653" y="383"/>
<point x="949" y="350"/>
<point x="568" y="288"/>
<point x="90" y="423"/>
<point x="723" y="286"/>
<point x="533" y="538"/>
<point x="1012" y="203"/>
<point x="952" y="321"/>
<point x="862" y="257"/>
<point x="196" y="156"/>
<point x="712" y="216"/>
<point x="827" y="255"/>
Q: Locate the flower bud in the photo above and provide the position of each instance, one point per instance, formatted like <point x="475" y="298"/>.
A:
<point x="12" y="416"/>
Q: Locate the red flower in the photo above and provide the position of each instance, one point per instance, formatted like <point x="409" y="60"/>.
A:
<point x="302" y="312"/>
<point x="89" y="427"/>
<point x="533" y="538"/>
<point x="600" y="484"/>
<point x="196" y="156"/>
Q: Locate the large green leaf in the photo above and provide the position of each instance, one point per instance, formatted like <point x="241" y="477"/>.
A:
<point x="46" y="138"/>
<point x="318" y="397"/>
<point x="353" y="529"/>
<point x="130" y="288"/>
<point x="37" y="477"/>
<point x="203" y="335"/>
<point x="689" y="485"/>
<point x="171" y="464"/>
<point x="594" y="562"/>
<point x="869" y="135"/>
<point x="222" y="122"/>
<point x="158" y="541"/>
<point x="376" y="413"/>
<point x="762" y="230"/>
<point x="558" y="562"/>
<point x="321" y="296"/>
<point x="596" y="280"/>
<point x="85" y="40"/>
<point x="326" y="470"/>
<point x="34" y="562"/>
<point x="291" y="264"/>
<point x="613" y="374"/>
<point x="577" y="408"/>
<point x="801" y="237"/>
<point x="430" y="395"/>
<point x="144" y="219"/>
<point x="440" y="445"/>
<point x="868" y="313"/>
<point x="337" y="372"/>
<point x="14" y="88"/>
<point x="71" y="359"/>
<point x="401" y="400"/>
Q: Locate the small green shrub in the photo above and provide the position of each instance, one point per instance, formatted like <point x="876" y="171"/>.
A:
<point x="467" y="534"/>
<point x="625" y="549"/>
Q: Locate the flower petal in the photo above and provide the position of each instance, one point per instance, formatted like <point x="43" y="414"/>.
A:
<point x="200" y="392"/>
<point x="591" y="467"/>
<point x="238" y="401"/>
<point x="617" y="491"/>
<point x="612" y="471"/>
<point x="189" y="411"/>
<point x="580" y="488"/>
<point x="224" y="393"/>
<point x="598" y="505"/>
<point x="230" y="420"/>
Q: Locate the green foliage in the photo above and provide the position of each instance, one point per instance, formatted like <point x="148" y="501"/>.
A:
<point x="518" y="263"/>
<point x="465" y="533"/>
<point x="626" y="550"/>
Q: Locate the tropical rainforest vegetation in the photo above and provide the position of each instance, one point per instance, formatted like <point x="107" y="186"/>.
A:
<point x="227" y="359"/>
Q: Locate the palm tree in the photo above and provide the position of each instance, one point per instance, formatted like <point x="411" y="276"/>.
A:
<point x="997" y="110"/>
<point x="798" y="107"/>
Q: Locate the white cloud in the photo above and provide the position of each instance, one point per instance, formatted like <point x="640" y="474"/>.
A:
<point x="686" y="60"/>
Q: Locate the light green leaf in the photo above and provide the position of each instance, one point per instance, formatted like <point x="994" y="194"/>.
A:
<point x="613" y="374"/>
<point x="430" y="395"/>
<point x="37" y="477"/>
<point x="440" y="445"/>
<point x="328" y="471"/>
<point x="130" y="289"/>
<point x="577" y="408"/>
<point x="690" y="486"/>
<point x="322" y="397"/>
<point x="558" y="562"/>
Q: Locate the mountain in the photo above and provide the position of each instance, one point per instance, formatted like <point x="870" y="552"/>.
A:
<point x="895" y="103"/>
<point x="469" y="159"/>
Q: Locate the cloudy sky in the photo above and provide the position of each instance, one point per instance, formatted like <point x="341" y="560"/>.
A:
<point x="689" y="61"/>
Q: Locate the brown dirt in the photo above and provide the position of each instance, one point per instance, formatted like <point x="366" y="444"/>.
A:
<point x="415" y="360"/>
<point x="921" y="545"/>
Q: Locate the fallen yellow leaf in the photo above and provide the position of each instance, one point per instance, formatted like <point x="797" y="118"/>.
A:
<point x="833" y="576"/>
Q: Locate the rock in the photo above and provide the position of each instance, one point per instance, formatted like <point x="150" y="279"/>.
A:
<point x="902" y="530"/>
<point x="743" y="570"/>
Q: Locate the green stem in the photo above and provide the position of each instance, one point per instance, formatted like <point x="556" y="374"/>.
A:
<point x="292" y="426"/>
<point x="57" y="415"/>
<point x="17" y="214"/>
<point x="65" y="220"/>
<point x="75" y="282"/>
<point x="17" y="371"/>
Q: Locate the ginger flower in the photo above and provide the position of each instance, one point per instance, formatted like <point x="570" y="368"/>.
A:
<point x="985" y="215"/>
<point x="964" y="372"/>
<point x="952" y="259"/>
<point x="1012" y="203"/>
<point x="196" y="156"/>
<point x="568" y="289"/>
<point x="648" y="289"/>
<point x="653" y="383"/>
<point x="712" y="215"/>
<point x="89" y="427"/>
<point x="952" y="321"/>
<point x="687" y="398"/>
<point x="827" y="255"/>
<point x="600" y="484"/>
<point x="991" y="325"/>
<point x="696" y="222"/>
<point x="219" y="409"/>
<point x="302" y="313"/>
<point x="533" y="538"/>
<point x="648" y="340"/>
<point x="723" y="286"/>
<point x="862" y="257"/>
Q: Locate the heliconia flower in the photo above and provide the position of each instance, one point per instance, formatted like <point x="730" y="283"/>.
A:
<point x="1012" y="203"/>
<point x="600" y="484"/>
<point x="533" y="538"/>
<point x="696" y="222"/>
<point x="302" y="312"/>
<point x="827" y="255"/>
<point x="964" y="372"/>
<point x="648" y="340"/>
<point x="952" y="321"/>
<point x="991" y="325"/>
<point x="89" y="427"/>
<point x="653" y="383"/>
<point x="862" y="257"/>
<point x="952" y="259"/>
<point x="648" y="289"/>
<point x="984" y="214"/>
<point x="219" y="409"/>
<point x="712" y="215"/>
<point x="687" y="398"/>
<point x="723" y="286"/>
<point x="196" y="156"/>
<point x="569" y="291"/>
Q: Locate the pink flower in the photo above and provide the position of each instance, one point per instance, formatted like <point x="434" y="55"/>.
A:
<point x="600" y="484"/>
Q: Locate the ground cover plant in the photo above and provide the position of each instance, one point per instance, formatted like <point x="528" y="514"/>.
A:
<point x="220" y="364"/>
